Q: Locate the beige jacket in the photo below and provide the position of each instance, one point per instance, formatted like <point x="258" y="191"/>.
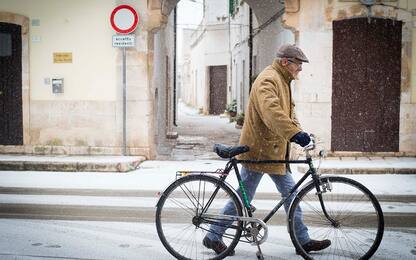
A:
<point x="270" y="120"/>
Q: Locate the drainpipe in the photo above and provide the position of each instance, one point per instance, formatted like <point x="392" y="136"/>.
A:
<point x="174" y="65"/>
<point x="250" y="46"/>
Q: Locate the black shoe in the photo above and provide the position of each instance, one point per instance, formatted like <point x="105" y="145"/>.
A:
<point x="315" y="245"/>
<point x="217" y="245"/>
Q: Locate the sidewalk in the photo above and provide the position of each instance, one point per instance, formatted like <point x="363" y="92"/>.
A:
<point x="132" y="196"/>
<point x="156" y="175"/>
<point x="365" y="165"/>
<point x="330" y="165"/>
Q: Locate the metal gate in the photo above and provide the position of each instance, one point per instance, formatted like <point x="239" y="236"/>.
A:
<point x="11" y="124"/>
<point x="366" y="85"/>
<point x="217" y="89"/>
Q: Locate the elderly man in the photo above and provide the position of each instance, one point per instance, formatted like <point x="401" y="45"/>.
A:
<point x="269" y="126"/>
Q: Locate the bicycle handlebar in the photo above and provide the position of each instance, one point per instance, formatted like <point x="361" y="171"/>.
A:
<point x="312" y="146"/>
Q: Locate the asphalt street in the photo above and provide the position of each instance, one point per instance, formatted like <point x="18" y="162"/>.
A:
<point x="398" y="212"/>
<point x="86" y="240"/>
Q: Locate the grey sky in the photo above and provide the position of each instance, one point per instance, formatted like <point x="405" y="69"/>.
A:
<point x="189" y="13"/>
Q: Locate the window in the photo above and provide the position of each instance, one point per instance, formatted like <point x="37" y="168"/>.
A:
<point x="5" y="45"/>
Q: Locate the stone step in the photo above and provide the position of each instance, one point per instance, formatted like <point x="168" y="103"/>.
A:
<point x="70" y="163"/>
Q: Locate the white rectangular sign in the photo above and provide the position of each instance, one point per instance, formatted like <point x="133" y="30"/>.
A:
<point x="124" y="40"/>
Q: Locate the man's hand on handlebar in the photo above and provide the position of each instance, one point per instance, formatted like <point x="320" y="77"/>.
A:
<point x="301" y="138"/>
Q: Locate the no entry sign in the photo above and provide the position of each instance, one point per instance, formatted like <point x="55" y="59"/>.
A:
<point x="124" y="19"/>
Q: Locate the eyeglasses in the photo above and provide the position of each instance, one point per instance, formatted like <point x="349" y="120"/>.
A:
<point x="295" y="62"/>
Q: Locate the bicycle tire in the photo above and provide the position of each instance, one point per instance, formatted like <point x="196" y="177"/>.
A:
<point x="352" y="206"/>
<point x="181" y="236"/>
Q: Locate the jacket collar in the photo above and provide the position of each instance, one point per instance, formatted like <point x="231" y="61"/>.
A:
<point x="287" y="76"/>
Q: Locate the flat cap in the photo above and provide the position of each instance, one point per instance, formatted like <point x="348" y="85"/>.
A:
<point x="291" y="51"/>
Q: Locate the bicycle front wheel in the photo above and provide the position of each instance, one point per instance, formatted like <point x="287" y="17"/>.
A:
<point x="354" y="221"/>
<point x="189" y="209"/>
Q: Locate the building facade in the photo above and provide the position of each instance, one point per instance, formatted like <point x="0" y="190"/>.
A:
<point x="71" y="41"/>
<point x="358" y="93"/>
<point x="208" y="56"/>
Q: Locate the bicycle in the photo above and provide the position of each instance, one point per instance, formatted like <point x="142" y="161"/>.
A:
<point x="334" y="207"/>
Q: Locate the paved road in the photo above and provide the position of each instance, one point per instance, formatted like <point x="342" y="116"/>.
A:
<point x="132" y="206"/>
<point x="81" y="240"/>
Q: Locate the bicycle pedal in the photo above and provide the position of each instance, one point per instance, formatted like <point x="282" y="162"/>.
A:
<point x="259" y="255"/>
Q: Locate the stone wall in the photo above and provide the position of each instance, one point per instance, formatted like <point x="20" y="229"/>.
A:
<point x="87" y="118"/>
<point x="311" y="22"/>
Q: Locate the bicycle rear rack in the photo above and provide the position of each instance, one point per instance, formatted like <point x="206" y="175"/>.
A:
<point x="180" y="174"/>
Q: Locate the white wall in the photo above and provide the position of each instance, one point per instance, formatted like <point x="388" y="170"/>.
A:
<point x="80" y="27"/>
<point x="240" y="56"/>
<point x="87" y="118"/>
<point x="268" y="41"/>
<point x="184" y="64"/>
<point x="215" y="9"/>
<point x="163" y="83"/>
<point x="208" y="47"/>
<point x="265" y="45"/>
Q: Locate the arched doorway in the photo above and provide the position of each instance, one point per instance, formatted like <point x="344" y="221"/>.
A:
<point x="163" y="82"/>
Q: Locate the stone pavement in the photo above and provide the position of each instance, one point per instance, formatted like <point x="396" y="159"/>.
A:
<point x="198" y="133"/>
<point x="69" y="163"/>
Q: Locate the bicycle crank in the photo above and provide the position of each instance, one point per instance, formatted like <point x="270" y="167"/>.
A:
<point x="254" y="228"/>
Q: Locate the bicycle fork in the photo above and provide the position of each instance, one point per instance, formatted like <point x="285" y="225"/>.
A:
<point x="325" y="187"/>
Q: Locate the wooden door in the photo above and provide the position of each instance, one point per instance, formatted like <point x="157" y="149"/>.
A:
<point x="217" y="89"/>
<point x="11" y="124"/>
<point x="366" y="85"/>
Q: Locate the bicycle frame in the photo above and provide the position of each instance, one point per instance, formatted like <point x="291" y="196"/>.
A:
<point x="232" y="165"/>
<point x="236" y="222"/>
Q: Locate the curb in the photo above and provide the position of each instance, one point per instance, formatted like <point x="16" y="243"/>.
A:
<point x="155" y="193"/>
<point x="64" y="166"/>
<point x="304" y="169"/>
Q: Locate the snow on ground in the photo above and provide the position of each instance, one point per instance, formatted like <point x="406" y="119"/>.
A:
<point x="157" y="175"/>
<point x="53" y="239"/>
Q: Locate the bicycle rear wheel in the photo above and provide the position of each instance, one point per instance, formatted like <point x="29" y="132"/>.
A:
<point x="358" y="223"/>
<point x="180" y="225"/>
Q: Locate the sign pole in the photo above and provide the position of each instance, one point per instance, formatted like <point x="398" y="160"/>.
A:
<point x="124" y="103"/>
<point x="124" y="20"/>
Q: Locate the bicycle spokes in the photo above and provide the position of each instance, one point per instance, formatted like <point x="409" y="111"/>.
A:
<point x="352" y="219"/>
<point x="189" y="210"/>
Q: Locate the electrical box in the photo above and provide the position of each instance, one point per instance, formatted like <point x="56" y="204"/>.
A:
<point x="57" y="86"/>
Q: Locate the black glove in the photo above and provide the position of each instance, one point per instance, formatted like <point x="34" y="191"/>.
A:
<point x="301" y="139"/>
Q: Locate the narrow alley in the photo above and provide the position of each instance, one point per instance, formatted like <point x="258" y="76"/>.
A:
<point x="198" y="133"/>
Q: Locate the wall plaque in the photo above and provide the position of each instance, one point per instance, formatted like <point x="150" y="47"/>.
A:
<point x="62" y="57"/>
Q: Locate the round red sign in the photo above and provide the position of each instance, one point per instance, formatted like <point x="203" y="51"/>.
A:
<point x="124" y="19"/>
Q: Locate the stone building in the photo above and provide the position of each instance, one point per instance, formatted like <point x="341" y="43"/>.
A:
<point x="357" y="94"/>
<point x="208" y="70"/>
<point x="85" y="117"/>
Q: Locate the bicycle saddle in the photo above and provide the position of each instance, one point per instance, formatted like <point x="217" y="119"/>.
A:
<point x="225" y="151"/>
